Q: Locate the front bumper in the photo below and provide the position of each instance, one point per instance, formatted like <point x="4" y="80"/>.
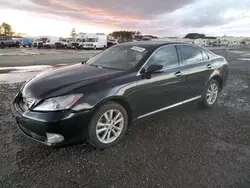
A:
<point x="71" y="125"/>
<point x="88" y="47"/>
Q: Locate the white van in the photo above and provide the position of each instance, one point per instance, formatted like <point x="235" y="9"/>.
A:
<point x="96" y="41"/>
<point x="51" y="40"/>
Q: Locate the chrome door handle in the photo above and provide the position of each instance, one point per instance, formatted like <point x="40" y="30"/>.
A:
<point x="178" y="74"/>
<point x="209" y="66"/>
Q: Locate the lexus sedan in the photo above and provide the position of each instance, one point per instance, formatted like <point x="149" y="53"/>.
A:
<point x="97" y="99"/>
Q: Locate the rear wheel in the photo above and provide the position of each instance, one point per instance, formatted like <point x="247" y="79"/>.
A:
<point x="17" y="45"/>
<point x="211" y="95"/>
<point x="108" y="125"/>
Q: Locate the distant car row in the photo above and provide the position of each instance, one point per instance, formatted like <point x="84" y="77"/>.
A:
<point x="9" y="42"/>
<point x="82" y="41"/>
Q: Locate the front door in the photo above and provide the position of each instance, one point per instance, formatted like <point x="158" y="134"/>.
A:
<point x="163" y="88"/>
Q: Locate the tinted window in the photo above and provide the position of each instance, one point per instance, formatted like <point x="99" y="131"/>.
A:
<point x="166" y="56"/>
<point x="191" y="55"/>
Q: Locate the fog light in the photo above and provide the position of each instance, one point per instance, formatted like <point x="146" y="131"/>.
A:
<point x="54" y="138"/>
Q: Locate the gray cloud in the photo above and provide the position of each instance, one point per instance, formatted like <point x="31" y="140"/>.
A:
<point x="165" y="17"/>
<point x="142" y="9"/>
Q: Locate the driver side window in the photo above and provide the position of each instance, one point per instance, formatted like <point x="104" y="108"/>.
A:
<point x="166" y="56"/>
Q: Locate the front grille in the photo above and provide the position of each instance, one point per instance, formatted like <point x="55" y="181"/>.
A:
<point x="75" y="44"/>
<point x="89" y="44"/>
<point x="58" y="43"/>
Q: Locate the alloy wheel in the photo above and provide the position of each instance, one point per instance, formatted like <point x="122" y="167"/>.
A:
<point x="212" y="93"/>
<point x="109" y="126"/>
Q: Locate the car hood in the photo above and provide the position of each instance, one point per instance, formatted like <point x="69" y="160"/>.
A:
<point x="63" y="80"/>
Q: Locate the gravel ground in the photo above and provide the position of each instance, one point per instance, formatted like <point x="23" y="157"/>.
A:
<point x="183" y="147"/>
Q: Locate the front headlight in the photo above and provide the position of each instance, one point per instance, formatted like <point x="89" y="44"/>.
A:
<point x="58" y="103"/>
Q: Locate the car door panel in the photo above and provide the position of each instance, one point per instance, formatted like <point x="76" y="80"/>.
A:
<point x="161" y="89"/>
<point x="195" y="73"/>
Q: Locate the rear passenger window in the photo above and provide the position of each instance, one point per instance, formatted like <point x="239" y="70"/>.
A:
<point x="165" y="56"/>
<point x="191" y="55"/>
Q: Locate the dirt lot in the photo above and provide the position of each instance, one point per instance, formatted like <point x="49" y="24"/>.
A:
<point x="183" y="147"/>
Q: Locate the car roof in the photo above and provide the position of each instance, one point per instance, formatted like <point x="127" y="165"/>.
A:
<point x="151" y="44"/>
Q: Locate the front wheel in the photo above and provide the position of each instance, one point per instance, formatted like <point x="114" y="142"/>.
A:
<point x="108" y="125"/>
<point x="211" y="95"/>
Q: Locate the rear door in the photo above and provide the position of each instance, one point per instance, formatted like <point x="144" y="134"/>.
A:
<point x="196" y="68"/>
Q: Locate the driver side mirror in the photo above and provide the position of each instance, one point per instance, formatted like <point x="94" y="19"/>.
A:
<point x="154" y="68"/>
<point x="84" y="62"/>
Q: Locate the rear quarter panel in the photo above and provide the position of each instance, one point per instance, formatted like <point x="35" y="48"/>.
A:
<point x="220" y="69"/>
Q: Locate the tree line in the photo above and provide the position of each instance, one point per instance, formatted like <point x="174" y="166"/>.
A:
<point x="7" y="31"/>
<point x="123" y="35"/>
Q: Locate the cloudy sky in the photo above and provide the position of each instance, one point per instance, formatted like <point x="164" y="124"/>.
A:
<point x="161" y="17"/>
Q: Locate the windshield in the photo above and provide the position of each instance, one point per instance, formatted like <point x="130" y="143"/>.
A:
<point x="79" y="40"/>
<point x="122" y="57"/>
<point x="44" y="39"/>
<point x="91" y="40"/>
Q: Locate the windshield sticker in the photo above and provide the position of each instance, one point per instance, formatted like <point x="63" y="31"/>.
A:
<point x="137" y="48"/>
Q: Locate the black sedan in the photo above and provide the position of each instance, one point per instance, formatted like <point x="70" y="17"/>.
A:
<point x="99" y="98"/>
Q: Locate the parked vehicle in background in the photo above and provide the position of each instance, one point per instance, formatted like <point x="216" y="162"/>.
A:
<point x="96" y="41"/>
<point x="78" y="43"/>
<point x="146" y="38"/>
<point x="111" y="43"/>
<point x="50" y="43"/>
<point x="27" y="42"/>
<point x="35" y="42"/>
<point x="63" y="44"/>
<point x="99" y="98"/>
<point x="9" y="42"/>
<point x="41" y="41"/>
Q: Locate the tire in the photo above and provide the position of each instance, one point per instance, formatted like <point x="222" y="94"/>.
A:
<point x="17" y="45"/>
<point x="95" y="48"/>
<point x="206" y="103"/>
<point x="110" y="139"/>
<point x="29" y="45"/>
<point x="104" y="47"/>
<point x="24" y="46"/>
<point x="2" y="45"/>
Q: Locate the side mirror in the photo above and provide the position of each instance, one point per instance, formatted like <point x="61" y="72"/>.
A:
<point x="84" y="62"/>
<point x="154" y="68"/>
